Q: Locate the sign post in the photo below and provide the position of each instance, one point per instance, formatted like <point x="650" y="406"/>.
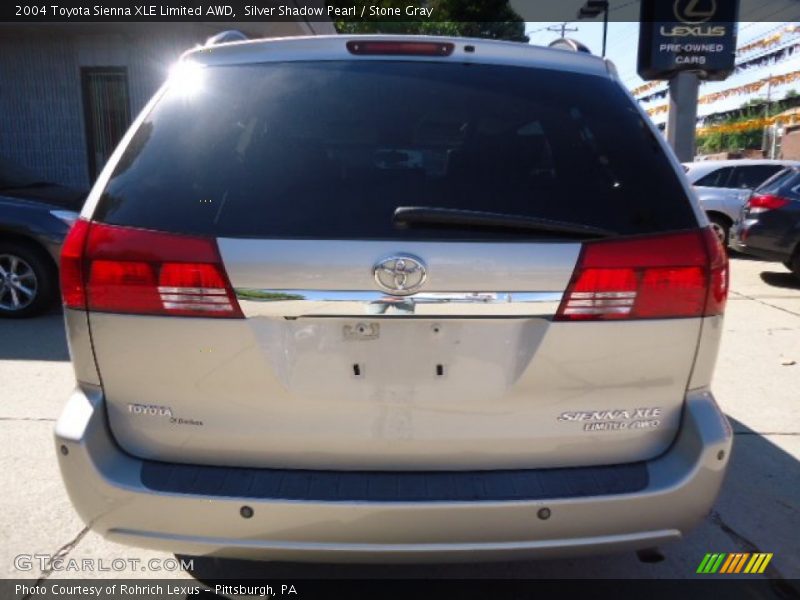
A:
<point x="684" y="41"/>
<point x="682" y="118"/>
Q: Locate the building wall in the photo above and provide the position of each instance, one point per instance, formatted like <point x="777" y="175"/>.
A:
<point x="790" y="144"/>
<point x="41" y="108"/>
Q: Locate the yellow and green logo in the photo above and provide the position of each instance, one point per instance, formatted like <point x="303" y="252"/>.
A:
<point x="742" y="562"/>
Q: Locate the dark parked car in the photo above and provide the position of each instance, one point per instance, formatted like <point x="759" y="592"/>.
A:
<point x="723" y="186"/>
<point x="35" y="216"/>
<point x="769" y="225"/>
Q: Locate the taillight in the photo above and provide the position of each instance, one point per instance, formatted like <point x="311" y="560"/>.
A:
<point x="377" y="47"/>
<point x="718" y="274"/>
<point x="137" y="271"/>
<point x="665" y="276"/>
<point x="760" y="203"/>
<point x="73" y="291"/>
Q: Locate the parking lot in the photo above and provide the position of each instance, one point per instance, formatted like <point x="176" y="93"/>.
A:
<point x="757" y="383"/>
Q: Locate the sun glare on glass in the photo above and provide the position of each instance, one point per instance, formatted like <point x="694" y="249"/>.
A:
<point x="186" y="78"/>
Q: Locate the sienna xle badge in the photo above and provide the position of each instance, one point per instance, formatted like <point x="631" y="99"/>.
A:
<point x="392" y="299"/>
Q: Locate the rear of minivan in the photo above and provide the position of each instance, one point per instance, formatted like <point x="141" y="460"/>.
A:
<point x="392" y="298"/>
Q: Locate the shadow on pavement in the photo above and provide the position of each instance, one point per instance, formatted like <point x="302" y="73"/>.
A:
<point x="742" y="256"/>
<point x="781" y="280"/>
<point x="38" y="338"/>
<point x="757" y="511"/>
<point x="208" y="570"/>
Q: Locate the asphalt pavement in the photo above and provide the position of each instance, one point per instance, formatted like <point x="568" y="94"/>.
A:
<point x="757" y="383"/>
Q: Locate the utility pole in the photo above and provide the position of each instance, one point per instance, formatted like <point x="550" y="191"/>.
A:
<point x="590" y="10"/>
<point x="765" y="138"/>
<point x="563" y="28"/>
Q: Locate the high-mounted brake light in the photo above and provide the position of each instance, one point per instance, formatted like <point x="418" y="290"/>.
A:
<point x="664" y="276"/>
<point x="120" y="269"/>
<point x="376" y="47"/>
<point x="761" y="203"/>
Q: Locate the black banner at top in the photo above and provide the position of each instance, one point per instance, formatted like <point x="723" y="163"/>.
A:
<point x="390" y="11"/>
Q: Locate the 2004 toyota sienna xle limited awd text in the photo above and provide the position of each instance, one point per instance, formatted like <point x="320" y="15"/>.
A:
<point x="392" y="298"/>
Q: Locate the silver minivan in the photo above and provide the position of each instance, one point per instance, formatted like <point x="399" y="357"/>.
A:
<point x="392" y="298"/>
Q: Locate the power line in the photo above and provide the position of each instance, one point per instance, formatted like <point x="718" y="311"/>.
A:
<point x="532" y="31"/>
<point x="759" y="35"/>
<point x="623" y="38"/>
<point x="632" y="2"/>
<point x="563" y="28"/>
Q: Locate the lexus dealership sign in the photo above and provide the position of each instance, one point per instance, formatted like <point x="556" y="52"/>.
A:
<point x="687" y="35"/>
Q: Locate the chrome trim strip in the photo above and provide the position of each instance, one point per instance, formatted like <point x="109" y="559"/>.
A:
<point x="207" y="298"/>
<point x="336" y="303"/>
<point x="602" y="310"/>
<point x="619" y="302"/>
<point x="197" y="306"/>
<point x="191" y="290"/>
<point x="603" y="295"/>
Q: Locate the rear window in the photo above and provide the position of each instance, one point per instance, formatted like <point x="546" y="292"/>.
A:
<point x="331" y="149"/>
<point x="717" y="178"/>
<point x="785" y="178"/>
<point x="753" y="176"/>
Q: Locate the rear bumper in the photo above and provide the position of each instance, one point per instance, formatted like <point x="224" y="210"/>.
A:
<point x="106" y="487"/>
<point x="759" y="242"/>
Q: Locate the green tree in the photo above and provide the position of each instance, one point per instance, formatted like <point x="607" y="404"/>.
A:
<point x="753" y="138"/>
<point x="493" y="19"/>
<point x="733" y="141"/>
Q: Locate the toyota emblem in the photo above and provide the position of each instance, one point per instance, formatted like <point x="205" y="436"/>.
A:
<point x="400" y="274"/>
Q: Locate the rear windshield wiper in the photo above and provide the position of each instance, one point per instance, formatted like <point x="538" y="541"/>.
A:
<point x="405" y="216"/>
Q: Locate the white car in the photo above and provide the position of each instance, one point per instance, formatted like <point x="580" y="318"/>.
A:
<point x="723" y="186"/>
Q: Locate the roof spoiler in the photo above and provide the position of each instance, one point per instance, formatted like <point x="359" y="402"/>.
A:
<point x="569" y="44"/>
<point x="223" y="37"/>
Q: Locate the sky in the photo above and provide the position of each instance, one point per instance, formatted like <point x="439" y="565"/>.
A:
<point x="622" y="46"/>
